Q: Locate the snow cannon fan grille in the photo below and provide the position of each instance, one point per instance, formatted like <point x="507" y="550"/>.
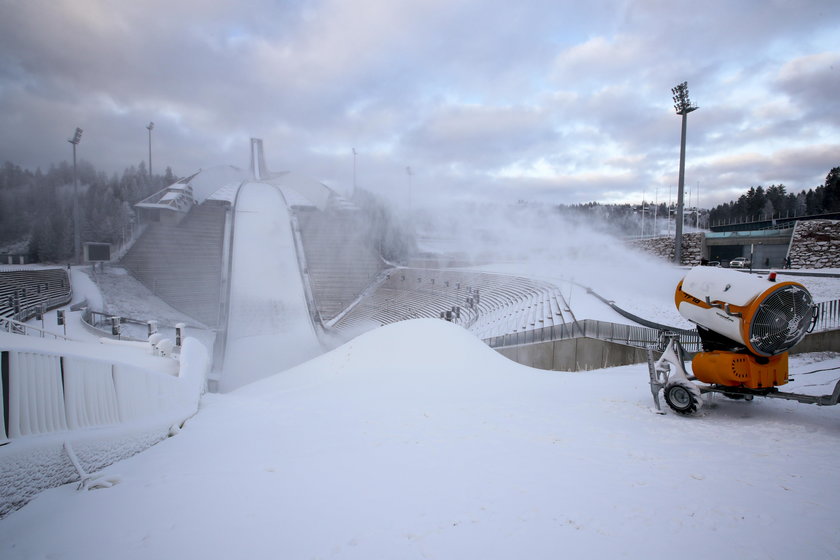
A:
<point x="781" y="320"/>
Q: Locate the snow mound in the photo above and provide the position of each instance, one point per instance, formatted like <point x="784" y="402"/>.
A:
<point x="420" y="351"/>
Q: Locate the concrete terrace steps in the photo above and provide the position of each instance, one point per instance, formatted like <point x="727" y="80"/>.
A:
<point x="506" y="304"/>
<point x="182" y="263"/>
<point x="29" y="288"/>
<point x="340" y="257"/>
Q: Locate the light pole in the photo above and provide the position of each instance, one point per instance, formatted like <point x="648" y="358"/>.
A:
<point x="683" y="106"/>
<point x="77" y="236"/>
<point x="149" y="127"/>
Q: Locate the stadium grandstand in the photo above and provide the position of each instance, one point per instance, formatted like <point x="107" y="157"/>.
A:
<point x="25" y="292"/>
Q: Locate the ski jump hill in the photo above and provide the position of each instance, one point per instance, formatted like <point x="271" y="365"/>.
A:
<point x="265" y="259"/>
<point x="284" y="268"/>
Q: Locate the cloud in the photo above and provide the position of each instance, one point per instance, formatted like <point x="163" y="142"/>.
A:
<point x="539" y="100"/>
<point x="813" y="82"/>
<point x="486" y="137"/>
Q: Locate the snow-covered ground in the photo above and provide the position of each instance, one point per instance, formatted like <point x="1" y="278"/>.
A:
<point x="417" y="441"/>
<point x="124" y="296"/>
<point x="115" y="292"/>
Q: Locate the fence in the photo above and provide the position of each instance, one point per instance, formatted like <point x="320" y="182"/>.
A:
<point x="630" y="335"/>
<point x="16" y="327"/>
<point x="45" y="392"/>
<point x="828" y="317"/>
<point x="45" y="388"/>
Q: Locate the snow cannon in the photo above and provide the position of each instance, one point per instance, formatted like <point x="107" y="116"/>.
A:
<point x="746" y="324"/>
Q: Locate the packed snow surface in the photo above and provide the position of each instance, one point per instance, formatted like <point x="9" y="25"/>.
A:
<point x="269" y="324"/>
<point x="417" y="441"/>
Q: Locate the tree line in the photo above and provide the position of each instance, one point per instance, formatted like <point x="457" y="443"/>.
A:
<point x="36" y="207"/>
<point x="633" y="220"/>
<point x="759" y="204"/>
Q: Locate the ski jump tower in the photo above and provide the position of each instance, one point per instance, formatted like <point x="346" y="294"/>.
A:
<point x="258" y="169"/>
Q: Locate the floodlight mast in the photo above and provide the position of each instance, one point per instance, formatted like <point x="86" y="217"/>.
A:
<point x="77" y="237"/>
<point x="683" y="106"/>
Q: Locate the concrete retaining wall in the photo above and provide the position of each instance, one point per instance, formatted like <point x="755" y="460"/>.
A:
<point x="583" y="354"/>
<point x="826" y="341"/>
<point x="577" y="354"/>
<point x="692" y="247"/>
<point x="815" y="244"/>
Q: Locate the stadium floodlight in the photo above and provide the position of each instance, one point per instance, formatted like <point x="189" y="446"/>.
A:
<point x="77" y="236"/>
<point x="149" y="127"/>
<point x="683" y="106"/>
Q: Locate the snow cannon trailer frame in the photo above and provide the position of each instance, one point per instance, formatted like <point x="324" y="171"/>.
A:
<point x="684" y="395"/>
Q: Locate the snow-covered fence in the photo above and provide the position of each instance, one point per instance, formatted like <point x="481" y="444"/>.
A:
<point x="828" y="317"/>
<point x="16" y="327"/>
<point x="49" y="390"/>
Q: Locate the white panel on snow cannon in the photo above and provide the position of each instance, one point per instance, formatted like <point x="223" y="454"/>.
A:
<point x="765" y="317"/>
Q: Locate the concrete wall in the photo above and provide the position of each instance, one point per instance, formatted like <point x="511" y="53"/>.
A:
<point x="815" y="244"/>
<point x="577" y="354"/>
<point x="692" y="247"/>
<point x="826" y="341"/>
<point x="583" y="354"/>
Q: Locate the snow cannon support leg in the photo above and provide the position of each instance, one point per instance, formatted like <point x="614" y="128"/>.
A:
<point x="657" y="380"/>
<point x="668" y="373"/>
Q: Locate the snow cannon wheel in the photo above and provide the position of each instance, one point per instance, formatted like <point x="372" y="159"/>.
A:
<point x="683" y="398"/>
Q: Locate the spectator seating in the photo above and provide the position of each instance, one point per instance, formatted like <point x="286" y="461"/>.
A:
<point x="22" y="291"/>
<point x="341" y="258"/>
<point x="501" y="304"/>
<point x="182" y="263"/>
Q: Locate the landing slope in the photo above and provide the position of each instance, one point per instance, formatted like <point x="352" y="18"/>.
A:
<point x="269" y="328"/>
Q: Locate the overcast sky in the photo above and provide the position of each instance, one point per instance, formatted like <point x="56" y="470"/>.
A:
<point x="542" y="100"/>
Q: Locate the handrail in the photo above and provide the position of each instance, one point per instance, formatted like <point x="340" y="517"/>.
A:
<point x="630" y="335"/>
<point x="17" y="327"/>
<point x="828" y="315"/>
<point x="220" y="342"/>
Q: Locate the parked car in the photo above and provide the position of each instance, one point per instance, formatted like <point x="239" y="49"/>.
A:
<point x="740" y="262"/>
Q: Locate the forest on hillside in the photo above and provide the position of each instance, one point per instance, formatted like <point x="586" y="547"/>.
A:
<point x="758" y="203"/>
<point x="36" y="207"/>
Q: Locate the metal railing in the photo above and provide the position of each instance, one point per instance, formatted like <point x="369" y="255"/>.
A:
<point x="641" y="337"/>
<point x="828" y="317"/>
<point x="16" y="327"/>
<point x="32" y="310"/>
<point x="630" y="335"/>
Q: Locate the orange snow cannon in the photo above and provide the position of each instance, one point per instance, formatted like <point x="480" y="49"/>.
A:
<point x="746" y="324"/>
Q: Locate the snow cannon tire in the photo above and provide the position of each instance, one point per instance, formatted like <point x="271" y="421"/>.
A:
<point x="683" y="398"/>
